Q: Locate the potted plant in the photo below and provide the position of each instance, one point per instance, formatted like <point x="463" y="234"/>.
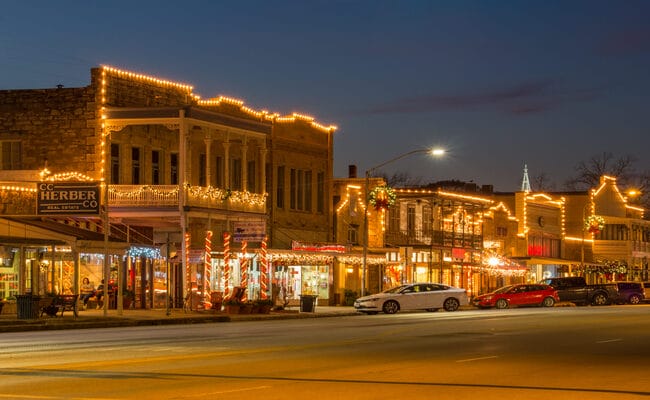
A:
<point x="128" y="296"/>
<point x="264" y="306"/>
<point x="231" y="306"/>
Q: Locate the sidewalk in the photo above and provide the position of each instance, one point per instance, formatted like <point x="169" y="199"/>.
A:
<point x="96" y="318"/>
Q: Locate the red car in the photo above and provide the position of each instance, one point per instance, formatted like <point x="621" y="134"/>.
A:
<point x="518" y="295"/>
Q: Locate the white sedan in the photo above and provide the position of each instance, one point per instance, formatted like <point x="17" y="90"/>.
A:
<point x="413" y="296"/>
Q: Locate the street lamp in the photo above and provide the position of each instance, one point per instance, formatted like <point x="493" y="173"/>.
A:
<point x="434" y="152"/>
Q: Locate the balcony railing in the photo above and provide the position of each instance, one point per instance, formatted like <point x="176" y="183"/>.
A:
<point x="196" y="196"/>
<point x="433" y="238"/>
<point x="143" y="195"/>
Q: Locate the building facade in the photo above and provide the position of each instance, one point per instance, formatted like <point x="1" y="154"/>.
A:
<point x="209" y="182"/>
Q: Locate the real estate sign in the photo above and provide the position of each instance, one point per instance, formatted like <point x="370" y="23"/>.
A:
<point x="68" y="198"/>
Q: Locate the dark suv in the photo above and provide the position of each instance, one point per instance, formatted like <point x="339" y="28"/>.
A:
<point x="630" y="292"/>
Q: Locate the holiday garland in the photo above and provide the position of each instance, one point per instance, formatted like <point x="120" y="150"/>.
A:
<point x="382" y="197"/>
<point x="594" y="224"/>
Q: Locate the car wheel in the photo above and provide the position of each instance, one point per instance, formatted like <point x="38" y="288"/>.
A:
<point x="548" y="302"/>
<point x="451" y="304"/>
<point x="390" y="307"/>
<point x="501" y="304"/>
<point x="432" y="309"/>
<point x="599" y="299"/>
<point x="634" y="299"/>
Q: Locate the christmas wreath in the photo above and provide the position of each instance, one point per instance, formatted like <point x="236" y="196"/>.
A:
<point x="594" y="224"/>
<point x="382" y="197"/>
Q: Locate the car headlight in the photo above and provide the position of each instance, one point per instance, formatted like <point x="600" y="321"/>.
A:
<point x="367" y="300"/>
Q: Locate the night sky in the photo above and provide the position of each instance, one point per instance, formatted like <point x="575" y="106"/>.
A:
<point x="499" y="84"/>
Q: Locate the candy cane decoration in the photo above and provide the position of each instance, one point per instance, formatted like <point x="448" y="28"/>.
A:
<point x="188" y="270"/>
<point x="207" y="266"/>
<point x="263" y="269"/>
<point x="244" y="269"/>
<point x="226" y="265"/>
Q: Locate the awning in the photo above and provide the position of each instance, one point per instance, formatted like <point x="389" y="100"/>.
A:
<point x="542" y="260"/>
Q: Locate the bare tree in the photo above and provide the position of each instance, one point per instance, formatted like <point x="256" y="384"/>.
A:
<point x="588" y="175"/>
<point x="400" y="179"/>
<point x="542" y="183"/>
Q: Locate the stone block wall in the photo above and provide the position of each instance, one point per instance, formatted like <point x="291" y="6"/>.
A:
<point x="53" y="125"/>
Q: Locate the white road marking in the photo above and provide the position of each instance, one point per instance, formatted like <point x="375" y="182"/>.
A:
<point x="609" y="341"/>
<point x="232" y="391"/>
<point x="476" y="359"/>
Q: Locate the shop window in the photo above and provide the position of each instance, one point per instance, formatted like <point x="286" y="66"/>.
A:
<point x="11" y="156"/>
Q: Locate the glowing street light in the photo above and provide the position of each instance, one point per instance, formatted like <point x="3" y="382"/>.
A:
<point x="437" y="152"/>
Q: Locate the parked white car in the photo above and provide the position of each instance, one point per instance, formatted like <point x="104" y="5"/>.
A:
<point x="413" y="296"/>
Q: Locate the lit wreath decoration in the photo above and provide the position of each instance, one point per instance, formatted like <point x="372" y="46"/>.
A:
<point x="594" y="224"/>
<point x="382" y="197"/>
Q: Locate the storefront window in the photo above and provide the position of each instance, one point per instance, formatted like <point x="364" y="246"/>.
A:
<point x="9" y="262"/>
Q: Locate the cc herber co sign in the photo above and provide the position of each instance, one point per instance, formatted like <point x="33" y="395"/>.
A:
<point x="68" y="198"/>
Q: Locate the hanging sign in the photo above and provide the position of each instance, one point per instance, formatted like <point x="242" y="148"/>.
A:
<point x="68" y="198"/>
<point x="250" y="231"/>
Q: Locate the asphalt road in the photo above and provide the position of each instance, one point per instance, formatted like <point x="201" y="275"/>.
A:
<point x="533" y="353"/>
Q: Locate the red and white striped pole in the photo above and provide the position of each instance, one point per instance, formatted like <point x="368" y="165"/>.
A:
<point x="188" y="270"/>
<point x="226" y="265"/>
<point x="207" y="265"/>
<point x="244" y="269"/>
<point x="263" y="270"/>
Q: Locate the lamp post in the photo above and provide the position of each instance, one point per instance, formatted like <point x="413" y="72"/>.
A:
<point x="369" y="171"/>
<point x="582" y="247"/>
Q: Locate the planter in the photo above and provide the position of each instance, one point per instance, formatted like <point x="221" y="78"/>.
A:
<point x="231" y="308"/>
<point x="245" y="308"/>
<point x="264" y="308"/>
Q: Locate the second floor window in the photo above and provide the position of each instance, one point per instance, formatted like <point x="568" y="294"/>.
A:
<point x="427" y="220"/>
<point x="135" y="166"/>
<point x="11" y="156"/>
<point x="393" y="219"/>
<point x="320" y="192"/>
<point x="115" y="163"/>
<point x="279" y="194"/>
<point x="155" y="167"/>
<point x="218" y="172"/>
<point x="250" y="177"/>
<point x="173" y="168"/>
<point x="235" y="174"/>
<point x="202" y="176"/>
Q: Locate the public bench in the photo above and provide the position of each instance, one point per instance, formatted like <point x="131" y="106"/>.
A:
<point x="60" y="304"/>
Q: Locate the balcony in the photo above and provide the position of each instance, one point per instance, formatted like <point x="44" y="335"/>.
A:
<point x="169" y="196"/>
<point x="433" y="238"/>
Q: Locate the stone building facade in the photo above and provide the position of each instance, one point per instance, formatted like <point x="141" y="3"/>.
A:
<point x="177" y="167"/>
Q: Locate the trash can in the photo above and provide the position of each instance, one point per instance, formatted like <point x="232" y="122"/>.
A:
<point x="307" y="303"/>
<point x="27" y="306"/>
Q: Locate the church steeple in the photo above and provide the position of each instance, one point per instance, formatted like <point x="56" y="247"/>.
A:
<point x="525" y="183"/>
